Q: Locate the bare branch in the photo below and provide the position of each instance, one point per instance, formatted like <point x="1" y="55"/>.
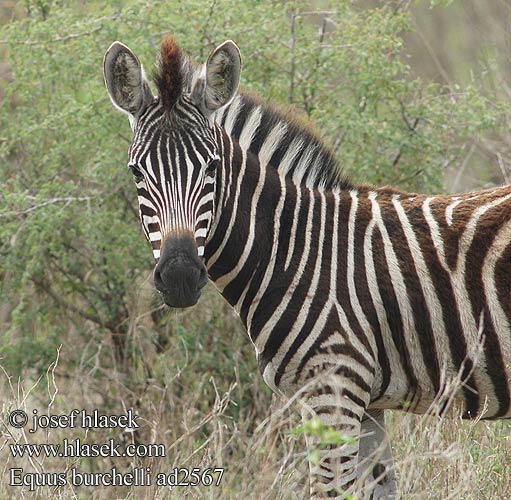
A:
<point x="434" y="57"/>
<point x="294" y="15"/>
<point x="52" y="201"/>
<point x="57" y="38"/>
<point x="130" y="206"/>
<point x="401" y="180"/>
<point x="412" y="127"/>
<point x="205" y="26"/>
<point x="505" y="175"/>
<point x="68" y="305"/>
<point x="313" y="73"/>
<point x="402" y="6"/>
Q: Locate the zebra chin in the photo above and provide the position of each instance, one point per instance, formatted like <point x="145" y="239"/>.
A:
<point x="180" y="274"/>
<point x="180" y="302"/>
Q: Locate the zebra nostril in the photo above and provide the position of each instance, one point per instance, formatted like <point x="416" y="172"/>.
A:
<point x="203" y="277"/>
<point x="158" y="281"/>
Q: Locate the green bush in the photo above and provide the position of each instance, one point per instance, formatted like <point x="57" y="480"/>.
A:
<point x="72" y="255"/>
<point x="75" y="269"/>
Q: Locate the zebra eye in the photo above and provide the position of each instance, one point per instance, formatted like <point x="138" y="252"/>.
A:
<point x="212" y="165"/>
<point x="137" y="173"/>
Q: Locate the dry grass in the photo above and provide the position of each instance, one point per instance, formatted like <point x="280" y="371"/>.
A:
<point x="197" y="390"/>
<point x="450" y="458"/>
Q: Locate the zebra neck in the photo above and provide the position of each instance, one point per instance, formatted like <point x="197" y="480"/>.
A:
<point x="282" y="142"/>
<point x="250" y="235"/>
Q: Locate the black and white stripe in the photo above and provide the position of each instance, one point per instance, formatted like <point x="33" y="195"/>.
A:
<point x="363" y="298"/>
<point x="173" y="199"/>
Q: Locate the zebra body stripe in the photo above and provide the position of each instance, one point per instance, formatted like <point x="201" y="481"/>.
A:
<point x="362" y="298"/>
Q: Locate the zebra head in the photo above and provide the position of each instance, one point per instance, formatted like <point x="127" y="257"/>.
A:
<point x="175" y="154"/>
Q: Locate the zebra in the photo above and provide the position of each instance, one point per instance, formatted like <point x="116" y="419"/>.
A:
<point x="359" y="298"/>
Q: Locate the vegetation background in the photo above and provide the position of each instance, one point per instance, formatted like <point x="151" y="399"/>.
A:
<point x="416" y="94"/>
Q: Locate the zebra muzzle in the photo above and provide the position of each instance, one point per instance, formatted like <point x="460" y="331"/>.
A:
<point x="180" y="274"/>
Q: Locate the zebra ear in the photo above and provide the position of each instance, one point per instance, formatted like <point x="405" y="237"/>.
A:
<point x="125" y="80"/>
<point x="219" y="82"/>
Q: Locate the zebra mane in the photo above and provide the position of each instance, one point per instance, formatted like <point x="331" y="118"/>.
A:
<point x="170" y="74"/>
<point x="298" y="153"/>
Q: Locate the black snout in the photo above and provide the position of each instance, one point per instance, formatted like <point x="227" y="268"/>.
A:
<point x="180" y="275"/>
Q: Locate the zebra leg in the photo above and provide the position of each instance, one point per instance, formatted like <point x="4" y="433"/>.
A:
<point x="375" y="468"/>
<point x="332" y="462"/>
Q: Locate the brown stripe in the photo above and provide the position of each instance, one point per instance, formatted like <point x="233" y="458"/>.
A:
<point x="364" y="296"/>
<point x="421" y="314"/>
<point x="487" y="230"/>
<point x="393" y="313"/>
<point x="450" y="313"/>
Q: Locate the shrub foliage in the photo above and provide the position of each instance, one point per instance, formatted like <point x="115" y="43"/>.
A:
<point x="74" y="266"/>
